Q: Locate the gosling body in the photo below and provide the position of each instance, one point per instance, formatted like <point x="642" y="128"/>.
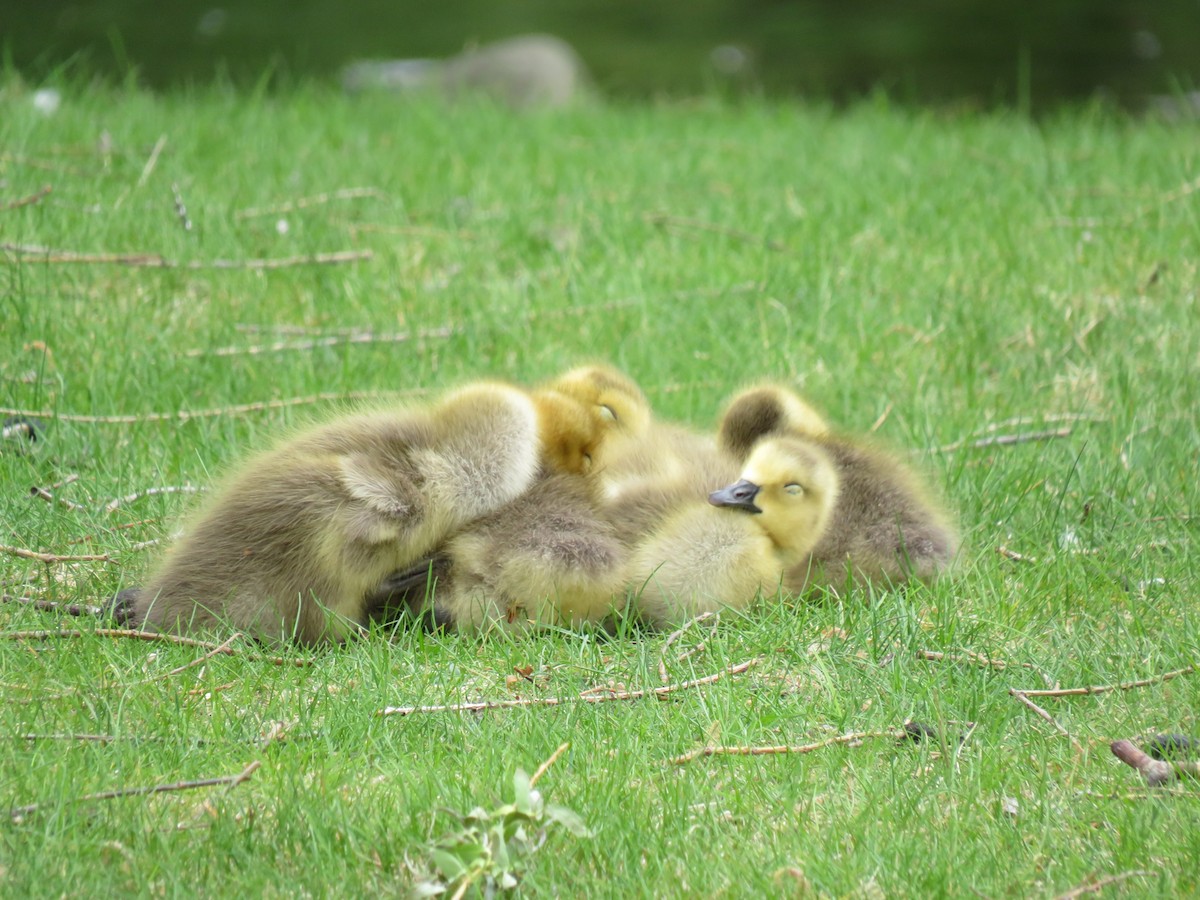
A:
<point x="296" y="538"/>
<point x="886" y="527"/>
<point x="724" y="553"/>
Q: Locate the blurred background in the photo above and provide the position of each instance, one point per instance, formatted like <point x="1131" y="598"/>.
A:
<point x="977" y="52"/>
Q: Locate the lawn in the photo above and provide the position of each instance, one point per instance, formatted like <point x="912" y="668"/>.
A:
<point x="1010" y="303"/>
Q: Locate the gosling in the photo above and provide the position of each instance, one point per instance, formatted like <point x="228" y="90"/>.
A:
<point x="724" y="554"/>
<point x="296" y="537"/>
<point x="886" y="528"/>
<point x="549" y="557"/>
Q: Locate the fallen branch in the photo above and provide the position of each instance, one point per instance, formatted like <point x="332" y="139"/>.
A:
<point x="114" y="505"/>
<point x="199" y="661"/>
<point x="19" y="812"/>
<point x="1015" y="556"/>
<point x="287" y="206"/>
<point x="71" y="609"/>
<point x="51" y="559"/>
<point x="152" y="161"/>
<point x="1105" y="688"/>
<point x="185" y="415"/>
<point x="584" y="697"/>
<point x="674" y="222"/>
<point x="34" y="254"/>
<point x="365" y="337"/>
<point x="1095" y="887"/>
<point x="44" y="494"/>
<point x="723" y="750"/>
<point x="27" y="201"/>
<point x="1155" y="771"/>
<point x="1003" y="440"/>
<point x="155" y="636"/>
<point x="673" y="637"/>
<point x="1023" y="699"/>
<point x="541" y="770"/>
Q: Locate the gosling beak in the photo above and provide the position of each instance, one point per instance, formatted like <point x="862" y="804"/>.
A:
<point x="737" y="496"/>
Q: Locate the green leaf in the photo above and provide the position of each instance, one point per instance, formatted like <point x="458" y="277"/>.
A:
<point x="569" y="820"/>
<point x="521" y="791"/>
<point x="427" y="888"/>
<point x="447" y="863"/>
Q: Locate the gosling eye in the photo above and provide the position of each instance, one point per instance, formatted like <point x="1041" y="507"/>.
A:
<point x="607" y="412"/>
<point x="794" y="489"/>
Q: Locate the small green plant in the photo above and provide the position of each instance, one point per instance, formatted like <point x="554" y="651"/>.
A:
<point x="491" y="850"/>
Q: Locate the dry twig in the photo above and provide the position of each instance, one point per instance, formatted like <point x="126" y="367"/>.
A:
<point x="1003" y="440"/>
<point x="52" y="559"/>
<point x="673" y="637"/>
<point x="1095" y="887"/>
<point x="854" y="738"/>
<point x="34" y="254"/>
<point x="980" y="660"/>
<point x="353" y="193"/>
<point x="1015" y="556"/>
<point x="1024" y="700"/>
<point x="697" y="225"/>
<point x="71" y="609"/>
<point x="19" y="812"/>
<point x="541" y="770"/>
<point x="136" y="635"/>
<point x="584" y="697"/>
<point x="43" y="494"/>
<point x="185" y="415"/>
<point x="1105" y="688"/>
<point x="27" y="201"/>
<point x="114" y="505"/>
<point x="364" y="337"/>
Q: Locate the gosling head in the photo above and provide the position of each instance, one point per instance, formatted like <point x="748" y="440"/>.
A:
<point x="765" y="410"/>
<point x="790" y="483"/>
<point x="616" y="398"/>
<point x="571" y="433"/>
<point x="585" y="413"/>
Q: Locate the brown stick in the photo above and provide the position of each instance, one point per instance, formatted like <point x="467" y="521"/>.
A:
<point x="895" y="734"/>
<point x="327" y="341"/>
<point x="185" y="415"/>
<point x="1024" y="700"/>
<point x="114" y="505"/>
<point x="215" y="651"/>
<point x="1097" y="886"/>
<point x="35" y="254"/>
<point x="675" y="222"/>
<point x="541" y="770"/>
<point x="43" y="494"/>
<point x="353" y="193"/>
<point x="1015" y="556"/>
<point x="1105" y="688"/>
<point x="152" y="161"/>
<point x="978" y="659"/>
<point x="19" y="812"/>
<point x="1003" y="440"/>
<point x="27" y="201"/>
<point x="672" y="638"/>
<point x="148" y="636"/>
<point x="483" y="705"/>
<point x="51" y="559"/>
<point x="71" y="609"/>
<point x="1154" y="771"/>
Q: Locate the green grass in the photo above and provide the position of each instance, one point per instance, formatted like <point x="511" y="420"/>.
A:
<point x="939" y="274"/>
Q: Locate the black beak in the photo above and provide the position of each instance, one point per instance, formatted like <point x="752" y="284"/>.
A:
<point x="737" y="496"/>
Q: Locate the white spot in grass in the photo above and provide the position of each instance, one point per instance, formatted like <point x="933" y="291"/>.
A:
<point x="282" y="226"/>
<point x="47" y="101"/>
<point x="1008" y="805"/>
<point x="212" y="23"/>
